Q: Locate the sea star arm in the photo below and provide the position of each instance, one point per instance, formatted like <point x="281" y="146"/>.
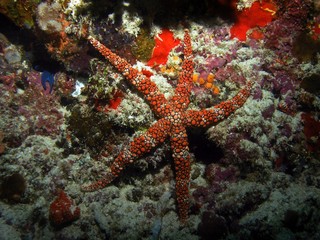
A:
<point x="183" y="89"/>
<point x="140" y="145"/>
<point x="181" y="156"/>
<point x="141" y="82"/>
<point x="210" y="116"/>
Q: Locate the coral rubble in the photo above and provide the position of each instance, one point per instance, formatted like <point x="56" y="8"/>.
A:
<point x="254" y="175"/>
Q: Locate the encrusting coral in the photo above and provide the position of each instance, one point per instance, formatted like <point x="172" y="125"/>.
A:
<point x="174" y="118"/>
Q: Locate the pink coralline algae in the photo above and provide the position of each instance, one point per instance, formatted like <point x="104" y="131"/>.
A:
<point x="293" y="15"/>
<point x="215" y="173"/>
<point x="40" y="108"/>
<point x="228" y="72"/>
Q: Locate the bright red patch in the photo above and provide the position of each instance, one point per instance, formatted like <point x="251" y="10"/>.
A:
<point x="315" y="30"/>
<point x="116" y="100"/>
<point x="164" y="44"/>
<point x="258" y="15"/>
<point x="113" y="102"/>
<point x="256" y="34"/>
<point x="62" y="210"/>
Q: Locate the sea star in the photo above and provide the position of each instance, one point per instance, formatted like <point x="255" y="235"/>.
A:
<point x="174" y="118"/>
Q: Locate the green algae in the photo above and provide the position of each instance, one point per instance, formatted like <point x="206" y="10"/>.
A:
<point x="143" y="47"/>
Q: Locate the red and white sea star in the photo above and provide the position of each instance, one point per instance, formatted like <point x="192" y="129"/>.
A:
<point x="174" y="118"/>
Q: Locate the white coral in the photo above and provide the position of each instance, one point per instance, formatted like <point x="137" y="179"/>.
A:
<point x="48" y="17"/>
<point x="242" y="4"/>
<point x="131" y="23"/>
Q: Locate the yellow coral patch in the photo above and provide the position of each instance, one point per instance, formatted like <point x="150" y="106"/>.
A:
<point x="210" y="78"/>
<point x="195" y="77"/>
<point x="215" y="90"/>
<point x="201" y="81"/>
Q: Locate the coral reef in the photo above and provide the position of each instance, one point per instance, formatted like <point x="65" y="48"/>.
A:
<point x="253" y="176"/>
<point x="55" y="25"/>
<point x="174" y="118"/>
<point x="49" y="16"/>
<point x="20" y="12"/>
<point x="143" y="46"/>
<point x="88" y="128"/>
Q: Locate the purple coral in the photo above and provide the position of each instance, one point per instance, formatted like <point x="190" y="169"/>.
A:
<point x="218" y="176"/>
<point x="291" y="20"/>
